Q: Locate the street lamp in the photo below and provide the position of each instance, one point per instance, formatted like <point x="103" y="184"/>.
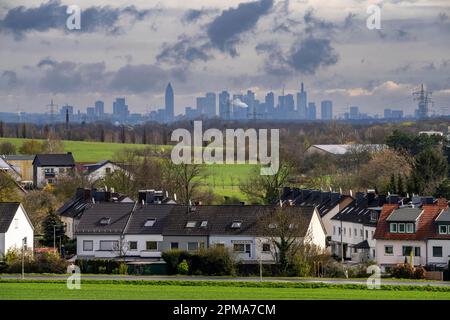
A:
<point x="24" y="243"/>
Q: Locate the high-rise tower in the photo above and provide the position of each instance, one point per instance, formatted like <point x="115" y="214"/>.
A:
<point x="169" y="103"/>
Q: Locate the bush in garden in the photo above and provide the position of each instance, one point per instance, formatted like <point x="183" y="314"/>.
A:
<point x="183" y="268"/>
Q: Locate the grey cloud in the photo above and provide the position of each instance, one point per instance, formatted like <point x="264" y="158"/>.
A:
<point x="8" y="79"/>
<point x="143" y="78"/>
<point x="310" y="54"/>
<point x="315" y="25"/>
<point x="192" y="15"/>
<point x="52" y="15"/>
<point x="224" y="30"/>
<point x="185" y="50"/>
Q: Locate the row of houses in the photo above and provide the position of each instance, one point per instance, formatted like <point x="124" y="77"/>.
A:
<point x="354" y="228"/>
<point x="45" y="169"/>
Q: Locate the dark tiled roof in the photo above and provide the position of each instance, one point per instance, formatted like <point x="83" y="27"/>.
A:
<point x="323" y="200"/>
<point x="143" y="213"/>
<point x="117" y="212"/>
<point x="74" y="207"/>
<point x="220" y="218"/>
<point x="92" y="167"/>
<point x="57" y="160"/>
<point x="7" y="212"/>
<point x="357" y="213"/>
<point x="444" y="216"/>
<point x="19" y="157"/>
<point x="362" y="245"/>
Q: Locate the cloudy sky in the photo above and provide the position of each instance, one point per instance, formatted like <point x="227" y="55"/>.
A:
<point x="211" y="45"/>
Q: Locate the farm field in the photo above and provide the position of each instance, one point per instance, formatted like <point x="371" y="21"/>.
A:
<point x="150" y="291"/>
<point x="222" y="179"/>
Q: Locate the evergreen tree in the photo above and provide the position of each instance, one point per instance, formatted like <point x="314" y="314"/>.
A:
<point x="400" y="185"/>
<point x="53" y="229"/>
<point x="392" y="185"/>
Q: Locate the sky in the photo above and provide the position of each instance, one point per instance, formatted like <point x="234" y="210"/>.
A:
<point x="134" y="48"/>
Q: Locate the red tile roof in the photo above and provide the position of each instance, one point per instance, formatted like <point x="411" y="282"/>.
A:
<point x="426" y="228"/>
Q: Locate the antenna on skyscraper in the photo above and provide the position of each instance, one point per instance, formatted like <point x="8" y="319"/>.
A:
<point x="424" y="99"/>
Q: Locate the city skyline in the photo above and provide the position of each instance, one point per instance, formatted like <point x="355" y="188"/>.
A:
<point x="135" y="51"/>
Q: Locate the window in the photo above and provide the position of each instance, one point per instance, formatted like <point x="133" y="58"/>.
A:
<point x="133" y="245"/>
<point x="388" y="250"/>
<point x="373" y="232"/>
<point x="407" y="251"/>
<point x="16" y="223"/>
<point x="174" y="245"/>
<point x="373" y="216"/>
<point x="191" y="224"/>
<point x="108" y="245"/>
<point x="334" y="230"/>
<point x="401" y="228"/>
<point x="367" y="234"/>
<point x="239" y="247"/>
<point x="266" y="247"/>
<point x="25" y="243"/>
<point x="361" y="232"/>
<point x="150" y="222"/>
<point x="355" y="232"/>
<point x="393" y="228"/>
<point x="345" y="231"/>
<point x="409" y="228"/>
<point x="88" y="245"/>
<point x="443" y="229"/>
<point x="108" y="170"/>
<point x="204" y="224"/>
<point x="349" y="232"/>
<point x="201" y="244"/>
<point x="151" y="245"/>
<point x="236" y="224"/>
<point x="340" y="230"/>
<point x="105" y="221"/>
<point x="192" y="246"/>
<point x="437" y="252"/>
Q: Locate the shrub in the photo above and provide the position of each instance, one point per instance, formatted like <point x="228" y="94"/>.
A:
<point x="215" y="261"/>
<point x="123" y="268"/>
<point x="172" y="259"/>
<point x="104" y="266"/>
<point x="46" y="262"/>
<point x="183" y="268"/>
<point x="404" y="271"/>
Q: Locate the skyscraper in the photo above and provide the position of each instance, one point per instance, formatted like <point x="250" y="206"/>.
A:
<point x="326" y="110"/>
<point x="270" y="102"/>
<point x="120" y="109"/>
<point x="224" y="105"/>
<point x="170" y="114"/>
<point x="99" y="108"/>
<point x="311" y="111"/>
<point x="211" y="104"/>
<point x="302" y="103"/>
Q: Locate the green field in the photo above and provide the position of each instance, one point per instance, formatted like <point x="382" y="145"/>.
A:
<point x="156" y="291"/>
<point x="222" y="179"/>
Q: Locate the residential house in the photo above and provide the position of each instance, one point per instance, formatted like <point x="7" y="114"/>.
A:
<point x="24" y="166"/>
<point x="6" y="167"/>
<point x="414" y="230"/>
<point x="99" y="170"/>
<point x="71" y="211"/>
<point x="48" y="168"/>
<point x="327" y="203"/>
<point x="342" y="149"/>
<point x="16" y="229"/>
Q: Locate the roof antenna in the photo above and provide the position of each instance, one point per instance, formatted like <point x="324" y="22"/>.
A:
<point x="281" y="203"/>
<point x="175" y="196"/>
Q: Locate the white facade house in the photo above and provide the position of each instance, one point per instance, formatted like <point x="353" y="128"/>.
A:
<point x="16" y="229"/>
<point x="421" y="232"/>
<point x="48" y="168"/>
<point x="100" y="170"/>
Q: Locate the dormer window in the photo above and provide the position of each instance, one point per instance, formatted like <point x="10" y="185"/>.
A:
<point x="373" y="216"/>
<point x="402" y="227"/>
<point x="236" y="224"/>
<point x="204" y="224"/>
<point x="150" y="222"/>
<point x="191" y="224"/>
<point x="444" y="229"/>
<point x="105" y="221"/>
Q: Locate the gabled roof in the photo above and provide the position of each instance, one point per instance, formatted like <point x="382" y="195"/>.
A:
<point x="340" y="149"/>
<point x="95" y="166"/>
<point x="426" y="228"/>
<point x="7" y="212"/>
<point x="57" y="160"/>
<point x="142" y="214"/>
<point x="357" y="213"/>
<point x="19" y="157"/>
<point x="118" y="213"/>
<point x="444" y="216"/>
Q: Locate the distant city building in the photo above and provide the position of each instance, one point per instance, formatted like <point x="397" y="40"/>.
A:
<point x="99" y="109"/>
<point x="120" y="109"/>
<point x="224" y="105"/>
<point x="269" y="101"/>
<point x="302" y="103"/>
<point x="393" y="114"/>
<point x="354" y="113"/>
<point x="312" y="111"/>
<point x="90" y="112"/>
<point x="326" y="110"/>
<point x="66" y="109"/>
<point x="170" y="104"/>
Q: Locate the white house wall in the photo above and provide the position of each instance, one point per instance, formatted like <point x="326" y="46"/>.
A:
<point x="445" y="244"/>
<point x="20" y="228"/>
<point x="316" y="233"/>
<point x="397" y="257"/>
<point x="101" y="173"/>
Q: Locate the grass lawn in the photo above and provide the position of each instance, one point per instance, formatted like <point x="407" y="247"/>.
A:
<point x="155" y="291"/>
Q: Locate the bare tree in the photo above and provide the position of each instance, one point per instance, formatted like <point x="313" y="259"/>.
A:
<point x="287" y="230"/>
<point x="182" y="179"/>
